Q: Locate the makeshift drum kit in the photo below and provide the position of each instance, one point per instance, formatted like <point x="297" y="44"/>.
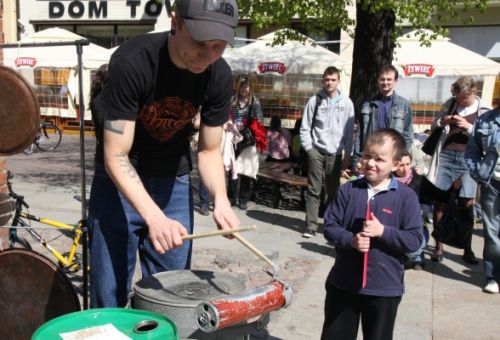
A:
<point x="213" y="305"/>
<point x="201" y="304"/>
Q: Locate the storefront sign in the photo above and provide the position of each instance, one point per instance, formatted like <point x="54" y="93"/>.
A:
<point x="25" y="61"/>
<point x="98" y="9"/>
<point x="418" y="69"/>
<point x="268" y="67"/>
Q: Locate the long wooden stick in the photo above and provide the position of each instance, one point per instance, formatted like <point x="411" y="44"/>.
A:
<point x="216" y="233"/>
<point x="253" y="249"/>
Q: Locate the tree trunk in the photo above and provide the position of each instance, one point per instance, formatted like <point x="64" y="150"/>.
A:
<point x="373" y="48"/>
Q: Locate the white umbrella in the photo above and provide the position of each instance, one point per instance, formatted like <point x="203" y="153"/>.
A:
<point x="442" y="58"/>
<point x="55" y="56"/>
<point x="292" y="57"/>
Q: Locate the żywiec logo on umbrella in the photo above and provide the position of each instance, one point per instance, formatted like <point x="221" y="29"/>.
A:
<point x="418" y="69"/>
<point x="267" y="67"/>
<point x="25" y="61"/>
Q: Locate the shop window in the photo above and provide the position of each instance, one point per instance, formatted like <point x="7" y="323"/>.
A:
<point x="125" y="32"/>
<point x="50" y="86"/>
<point x="101" y="35"/>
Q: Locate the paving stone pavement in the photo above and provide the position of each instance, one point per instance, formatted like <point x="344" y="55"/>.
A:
<point x="444" y="301"/>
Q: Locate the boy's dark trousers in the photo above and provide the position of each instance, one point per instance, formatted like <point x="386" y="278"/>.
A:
<point x="343" y="310"/>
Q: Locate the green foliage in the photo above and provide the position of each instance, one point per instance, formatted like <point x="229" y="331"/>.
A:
<point x="317" y="16"/>
<point x="327" y="15"/>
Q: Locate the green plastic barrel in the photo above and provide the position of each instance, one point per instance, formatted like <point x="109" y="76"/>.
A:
<point x="133" y="323"/>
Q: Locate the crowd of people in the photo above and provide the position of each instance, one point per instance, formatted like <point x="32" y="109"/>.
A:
<point x="161" y="88"/>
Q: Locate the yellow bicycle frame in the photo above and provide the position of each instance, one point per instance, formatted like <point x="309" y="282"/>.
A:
<point x="68" y="262"/>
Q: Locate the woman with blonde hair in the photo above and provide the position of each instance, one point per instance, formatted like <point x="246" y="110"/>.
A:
<point x="448" y="166"/>
<point x="245" y="108"/>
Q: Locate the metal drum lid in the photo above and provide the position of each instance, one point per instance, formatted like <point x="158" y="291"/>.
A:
<point x="112" y="323"/>
<point x="19" y="112"/>
<point x="187" y="288"/>
<point x="33" y="290"/>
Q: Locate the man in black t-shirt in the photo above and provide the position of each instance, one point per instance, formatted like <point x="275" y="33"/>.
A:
<point x="141" y="197"/>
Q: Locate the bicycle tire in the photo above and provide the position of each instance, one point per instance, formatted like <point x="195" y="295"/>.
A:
<point x="49" y="137"/>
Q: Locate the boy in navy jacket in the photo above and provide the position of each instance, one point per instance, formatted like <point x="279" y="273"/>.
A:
<point x="392" y="229"/>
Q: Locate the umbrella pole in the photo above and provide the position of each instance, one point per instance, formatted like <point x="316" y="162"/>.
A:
<point x="81" y="110"/>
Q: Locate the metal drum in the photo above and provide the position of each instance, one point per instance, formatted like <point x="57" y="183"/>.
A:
<point x="109" y="323"/>
<point x="33" y="290"/>
<point x="19" y="112"/>
<point x="176" y="294"/>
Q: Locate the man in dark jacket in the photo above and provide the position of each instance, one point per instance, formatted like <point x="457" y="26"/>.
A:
<point x="386" y="110"/>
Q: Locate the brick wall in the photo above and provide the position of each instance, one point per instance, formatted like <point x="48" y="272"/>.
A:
<point x="3" y="174"/>
<point x="1" y="32"/>
<point x="3" y="160"/>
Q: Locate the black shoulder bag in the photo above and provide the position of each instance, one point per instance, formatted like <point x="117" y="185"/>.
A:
<point x="246" y="133"/>
<point x="455" y="227"/>
<point x="432" y="141"/>
<point x="313" y="122"/>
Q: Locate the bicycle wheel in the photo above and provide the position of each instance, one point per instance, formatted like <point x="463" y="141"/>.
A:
<point x="49" y="138"/>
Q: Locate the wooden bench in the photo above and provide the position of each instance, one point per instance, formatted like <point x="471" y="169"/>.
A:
<point x="277" y="172"/>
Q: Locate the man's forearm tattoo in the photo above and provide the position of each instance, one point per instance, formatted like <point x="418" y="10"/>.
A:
<point x="127" y="168"/>
<point x="116" y="126"/>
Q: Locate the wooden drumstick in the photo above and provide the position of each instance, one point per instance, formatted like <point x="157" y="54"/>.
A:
<point x="217" y="233"/>
<point x="253" y="249"/>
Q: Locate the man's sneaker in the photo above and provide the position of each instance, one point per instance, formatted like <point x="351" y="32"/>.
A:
<point x="309" y="234"/>
<point x="243" y="206"/>
<point x="491" y="287"/>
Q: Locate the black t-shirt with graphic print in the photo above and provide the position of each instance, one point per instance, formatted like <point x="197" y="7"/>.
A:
<point x="145" y="86"/>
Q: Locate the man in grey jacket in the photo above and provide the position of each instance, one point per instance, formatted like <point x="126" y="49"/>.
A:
<point x="326" y="132"/>
<point x="386" y="110"/>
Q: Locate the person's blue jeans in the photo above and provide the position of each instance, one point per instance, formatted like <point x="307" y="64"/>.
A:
<point x="490" y="203"/>
<point x="117" y="233"/>
<point x="451" y="167"/>
<point x="416" y="256"/>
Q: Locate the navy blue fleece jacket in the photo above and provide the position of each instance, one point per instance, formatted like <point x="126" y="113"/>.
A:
<point x="399" y="211"/>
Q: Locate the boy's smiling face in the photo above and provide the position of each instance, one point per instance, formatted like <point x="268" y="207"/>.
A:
<point x="378" y="162"/>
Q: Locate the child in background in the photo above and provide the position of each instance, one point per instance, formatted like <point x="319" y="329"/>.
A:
<point x="279" y="141"/>
<point x="408" y="176"/>
<point x="393" y="229"/>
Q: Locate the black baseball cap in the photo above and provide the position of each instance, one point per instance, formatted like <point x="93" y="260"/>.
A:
<point x="209" y="19"/>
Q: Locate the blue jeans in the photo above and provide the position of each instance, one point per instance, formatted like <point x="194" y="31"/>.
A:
<point x="117" y="232"/>
<point x="416" y="256"/>
<point x="451" y="167"/>
<point x="490" y="203"/>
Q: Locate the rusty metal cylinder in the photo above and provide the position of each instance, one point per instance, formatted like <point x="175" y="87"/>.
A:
<point x="230" y="310"/>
